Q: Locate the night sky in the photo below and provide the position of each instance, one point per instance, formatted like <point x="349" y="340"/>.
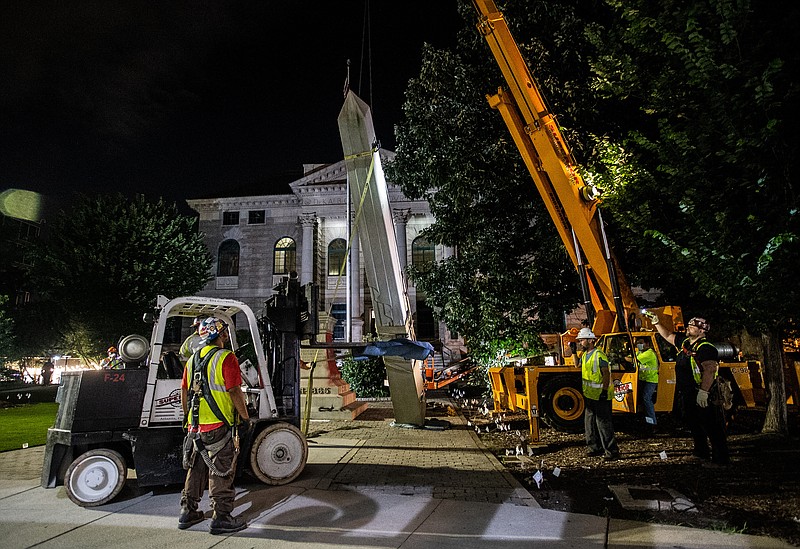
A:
<point x="196" y="99"/>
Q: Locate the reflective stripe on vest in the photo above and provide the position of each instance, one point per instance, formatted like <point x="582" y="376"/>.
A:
<point x="696" y="373"/>
<point x="592" y="377"/>
<point x="216" y="385"/>
<point x="648" y="366"/>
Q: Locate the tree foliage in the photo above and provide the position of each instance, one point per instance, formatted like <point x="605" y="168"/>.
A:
<point x="684" y="112"/>
<point x="511" y="278"/>
<point x="365" y="377"/>
<point x="104" y="262"/>
<point x="703" y="171"/>
<point x="701" y="179"/>
<point x="6" y="329"/>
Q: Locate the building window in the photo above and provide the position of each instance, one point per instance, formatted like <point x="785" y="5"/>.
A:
<point x="230" y="218"/>
<point x="285" y="256"/>
<point x="339" y="312"/>
<point x="423" y="254"/>
<point x="427" y="327"/>
<point x="256" y="217"/>
<point x="228" y="259"/>
<point x="337" y="253"/>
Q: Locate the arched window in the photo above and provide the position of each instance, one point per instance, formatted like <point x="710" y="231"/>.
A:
<point x="285" y="256"/>
<point x="228" y="259"/>
<point x="423" y="253"/>
<point x="337" y="253"/>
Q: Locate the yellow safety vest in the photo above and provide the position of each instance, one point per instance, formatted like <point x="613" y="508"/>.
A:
<point x="648" y="366"/>
<point x="190" y="345"/>
<point x="216" y="386"/>
<point x="696" y="373"/>
<point x="592" y="377"/>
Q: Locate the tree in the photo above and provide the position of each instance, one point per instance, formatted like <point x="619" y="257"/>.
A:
<point x="6" y="329"/>
<point x="700" y="180"/>
<point x="684" y="112"/>
<point x="511" y="278"/>
<point x="499" y="287"/>
<point x="106" y="260"/>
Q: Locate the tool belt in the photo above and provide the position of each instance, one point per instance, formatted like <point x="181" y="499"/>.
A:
<point x="192" y="444"/>
<point x="721" y="393"/>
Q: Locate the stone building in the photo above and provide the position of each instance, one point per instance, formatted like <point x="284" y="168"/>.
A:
<point x="258" y="240"/>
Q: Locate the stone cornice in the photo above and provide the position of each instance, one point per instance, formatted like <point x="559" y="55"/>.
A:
<point x="335" y="173"/>
<point x="323" y="185"/>
<point x="249" y="202"/>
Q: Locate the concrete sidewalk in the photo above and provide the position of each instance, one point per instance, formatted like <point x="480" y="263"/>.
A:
<point x="367" y="484"/>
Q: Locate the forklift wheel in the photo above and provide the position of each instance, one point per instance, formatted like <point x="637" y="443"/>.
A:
<point x="95" y="478"/>
<point x="279" y="454"/>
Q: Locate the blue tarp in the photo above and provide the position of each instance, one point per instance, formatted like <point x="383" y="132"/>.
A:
<point x="406" y="348"/>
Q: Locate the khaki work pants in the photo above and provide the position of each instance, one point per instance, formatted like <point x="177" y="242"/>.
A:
<point x="198" y="477"/>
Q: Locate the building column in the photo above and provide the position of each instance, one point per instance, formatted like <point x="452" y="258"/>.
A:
<point x="448" y="251"/>
<point x="308" y="221"/>
<point x="356" y="303"/>
<point x="400" y="218"/>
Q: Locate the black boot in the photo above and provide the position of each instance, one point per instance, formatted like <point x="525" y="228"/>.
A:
<point x="190" y="518"/>
<point x="227" y="525"/>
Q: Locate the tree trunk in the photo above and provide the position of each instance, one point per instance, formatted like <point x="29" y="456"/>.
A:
<point x="775" y="420"/>
<point x="749" y="345"/>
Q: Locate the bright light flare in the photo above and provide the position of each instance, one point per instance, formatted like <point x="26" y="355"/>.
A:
<point x="21" y="204"/>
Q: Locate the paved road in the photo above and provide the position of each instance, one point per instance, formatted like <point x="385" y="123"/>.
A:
<point x="366" y="485"/>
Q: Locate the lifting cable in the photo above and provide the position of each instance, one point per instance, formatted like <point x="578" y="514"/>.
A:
<point x="366" y="38"/>
<point x="340" y="276"/>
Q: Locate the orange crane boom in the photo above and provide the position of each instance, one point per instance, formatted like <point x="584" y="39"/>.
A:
<point x="571" y="202"/>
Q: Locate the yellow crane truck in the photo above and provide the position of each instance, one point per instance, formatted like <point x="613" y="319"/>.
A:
<point x="552" y="390"/>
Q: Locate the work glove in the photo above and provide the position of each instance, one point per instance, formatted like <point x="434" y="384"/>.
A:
<point x="702" y="398"/>
<point x="653" y="318"/>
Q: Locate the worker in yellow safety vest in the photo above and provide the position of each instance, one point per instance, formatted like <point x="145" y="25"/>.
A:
<point x="192" y="342"/>
<point x="695" y="378"/>
<point x="648" y="379"/>
<point x="212" y="399"/>
<point x="597" y="395"/>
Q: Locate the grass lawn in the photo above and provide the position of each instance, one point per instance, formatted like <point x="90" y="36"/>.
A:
<point x="27" y="423"/>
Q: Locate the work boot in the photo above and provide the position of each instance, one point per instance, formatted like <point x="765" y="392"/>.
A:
<point x="227" y="525"/>
<point x="190" y="518"/>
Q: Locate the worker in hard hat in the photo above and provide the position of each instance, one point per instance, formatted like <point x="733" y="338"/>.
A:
<point x="112" y="360"/>
<point x="213" y="404"/>
<point x="695" y="375"/>
<point x="192" y="343"/>
<point x="597" y="395"/>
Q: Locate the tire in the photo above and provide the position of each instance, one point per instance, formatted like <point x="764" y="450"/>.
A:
<point x="561" y="403"/>
<point x="279" y="454"/>
<point x="95" y="477"/>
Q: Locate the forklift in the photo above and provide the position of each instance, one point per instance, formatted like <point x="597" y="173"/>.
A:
<point x="109" y="421"/>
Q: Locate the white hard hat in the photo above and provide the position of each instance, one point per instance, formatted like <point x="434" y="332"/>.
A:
<point x="586" y="333"/>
